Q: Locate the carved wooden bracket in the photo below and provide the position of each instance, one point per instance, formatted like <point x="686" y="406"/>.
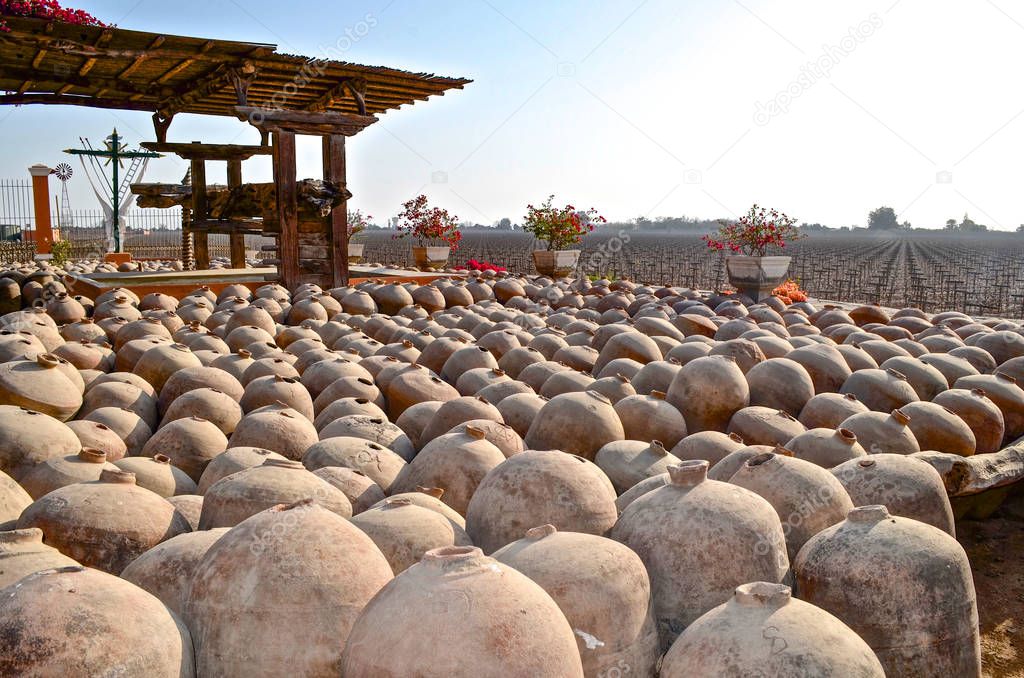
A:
<point x="241" y="77"/>
<point x="160" y="125"/>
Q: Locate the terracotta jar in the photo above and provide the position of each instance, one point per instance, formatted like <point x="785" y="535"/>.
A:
<point x="39" y="385"/>
<point x="520" y="410"/>
<point x="940" y="429"/>
<point x="166" y="570"/>
<point x="404" y="531"/>
<point x="132" y="430"/>
<point x="764" y="426"/>
<point x="234" y="498"/>
<point x="763" y="630"/>
<point x="374" y="429"/>
<point x="477" y="598"/>
<point x="161" y="361"/>
<point x="270" y="567"/>
<point x="905" y="485"/>
<point x="826" y="447"/>
<point x="189" y="443"/>
<point x="191" y="378"/>
<point x="42" y="616"/>
<point x="674" y="529"/>
<point x="231" y="461"/>
<point x="780" y="384"/>
<point x="881" y="390"/>
<point x="360" y="490"/>
<point x="538" y="487"/>
<point x="577" y="423"/>
<point x="379" y="463"/>
<point x="807" y="497"/>
<point x="59" y="472"/>
<point x="708" y="391"/>
<point x="214" y="405"/>
<point x="13" y="498"/>
<point x="414" y="385"/>
<point x="275" y="427"/>
<point x="981" y="415"/>
<point x="158" y="475"/>
<point x="1003" y="390"/>
<point x="926" y="380"/>
<point x="456" y="462"/>
<point x="104" y="523"/>
<point x="826" y="365"/>
<point x="458" y="411"/>
<point x="650" y="417"/>
<point x="429" y="498"/>
<point x="498" y="434"/>
<point x="711" y="446"/>
<point x="628" y="462"/>
<point x="99" y="436"/>
<point x="905" y="587"/>
<point x="23" y="552"/>
<point x="880" y="433"/>
<point x="587" y="576"/>
<point x="829" y="410"/>
<point x="122" y="395"/>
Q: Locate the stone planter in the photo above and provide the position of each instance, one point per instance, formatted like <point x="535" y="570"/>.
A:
<point x="432" y="257"/>
<point x="355" y="252"/>
<point x="756" y="277"/>
<point x="555" y="263"/>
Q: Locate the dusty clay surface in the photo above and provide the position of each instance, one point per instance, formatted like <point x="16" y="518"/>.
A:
<point x="996" y="549"/>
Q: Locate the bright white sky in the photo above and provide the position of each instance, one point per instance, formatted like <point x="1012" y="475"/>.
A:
<point x="656" y="107"/>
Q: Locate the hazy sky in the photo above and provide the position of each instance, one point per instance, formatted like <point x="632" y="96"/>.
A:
<point x="825" y="110"/>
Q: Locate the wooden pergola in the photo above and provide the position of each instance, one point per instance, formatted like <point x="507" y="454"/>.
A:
<point x="43" y="62"/>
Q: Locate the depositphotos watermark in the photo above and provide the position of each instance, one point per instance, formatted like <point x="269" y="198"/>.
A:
<point x="815" y="70"/>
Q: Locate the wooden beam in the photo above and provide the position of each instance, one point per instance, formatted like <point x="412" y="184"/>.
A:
<point x="38" y="75"/>
<point x="104" y="38"/>
<point x="354" y="86"/>
<point x="194" y="151"/>
<point x="236" y="239"/>
<point x="199" y="213"/>
<point x="75" y="100"/>
<point x="304" y="122"/>
<point x="287" y="207"/>
<point x="157" y="41"/>
<point x="185" y="63"/>
<point x="335" y="172"/>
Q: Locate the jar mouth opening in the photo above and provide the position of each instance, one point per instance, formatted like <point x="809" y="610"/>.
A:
<point x="451" y="554"/>
<point x="763" y="594"/>
<point x="847" y="435"/>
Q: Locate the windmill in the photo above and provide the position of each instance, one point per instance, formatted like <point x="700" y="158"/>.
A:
<point x="116" y="197"/>
<point x="64" y="172"/>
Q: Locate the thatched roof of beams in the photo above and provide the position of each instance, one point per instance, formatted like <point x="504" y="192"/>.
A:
<point x="45" y="62"/>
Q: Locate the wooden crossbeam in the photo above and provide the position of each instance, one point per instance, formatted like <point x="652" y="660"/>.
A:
<point x="157" y="41"/>
<point x="104" y="38"/>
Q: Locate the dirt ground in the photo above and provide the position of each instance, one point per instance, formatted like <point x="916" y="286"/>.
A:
<point x="996" y="549"/>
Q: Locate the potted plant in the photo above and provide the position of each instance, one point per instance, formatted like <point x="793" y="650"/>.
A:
<point x="436" y="232"/>
<point x="750" y="270"/>
<point x="357" y="223"/>
<point x="559" y="228"/>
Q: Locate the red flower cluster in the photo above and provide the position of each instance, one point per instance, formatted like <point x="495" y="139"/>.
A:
<point x="790" y="292"/>
<point x="559" y="227"/>
<point x="755" y="232"/>
<point x="474" y="265"/>
<point x="45" y="9"/>
<point x="428" y="223"/>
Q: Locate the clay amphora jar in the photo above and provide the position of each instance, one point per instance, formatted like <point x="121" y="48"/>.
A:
<point x="343" y="407"/>
<point x="764" y="426"/>
<point x="807" y="497"/>
<point x="514" y="361"/>
<point x="23" y="552"/>
<point x="58" y="472"/>
<point x="537" y="487"/>
<point x="477" y="597"/>
<point x="189" y="443"/>
<point x="826" y="365"/>
<point x="456" y="462"/>
<point x="361" y="491"/>
<point x="234" y="364"/>
<point x="275" y="427"/>
<point x="271" y="566"/>
<point x="379" y="463"/>
<point x="712" y="446"/>
<point x="429" y="498"/>
<point x="829" y="410"/>
<point x="926" y="380"/>
<point x="158" y="475"/>
<point x="166" y="570"/>
<point x="906" y="486"/>
<point x="190" y="378"/>
<point x="157" y="364"/>
<point x="674" y="530"/>
<point x="43" y="612"/>
<point x="708" y="391"/>
<point x="415" y="419"/>
<point x="140" y="329"/>
<point x="99" y="436"/>
<point x="231" y="461"/>
<point x="940" y="429"/>
<point x="1003" y="390"/>
<point x="763" y="630"/>
<point x="348" y="387"/>
<point x="463" y="360"/>
<point x="826" y="447"/>
<point x="39" y="385"/>
<point x="628" y="462"/>
<point x="588" y="575"/>
<point x="234" y="498"/>
<point x="780" y="384"/>
<point x="649" y="417"/>
<point x="415" y="385"/>
<point x="458" y="411"/>
<point x="984" y="418"/>
<point x="881" y="433"/>
<point x="519" y="411"/>
<point x="881" y="390"/>
<point x="615" y="388"/>
<point x="577" y="423"/>
<point x="404" y="531"/>
<point x="217" y="407"/>
<point x="31" y="437"/>
<point x="374" y="429"/>
<point x="86" y="356"/>
<point x="104" y="523"/>
<point x="905" y="587"/>
<point x="132" y="430"/>
<point x="268" y="390"/>
<point x="498" y="434"/>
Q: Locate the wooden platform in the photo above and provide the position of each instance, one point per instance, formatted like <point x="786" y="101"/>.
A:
<point x="180" y="283"/>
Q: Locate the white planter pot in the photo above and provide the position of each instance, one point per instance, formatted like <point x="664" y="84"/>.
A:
<point x="756" y="277"/>
<point x="355" y="252"/>
<point x="555" y="263"/>
<point x="431" y="257"/>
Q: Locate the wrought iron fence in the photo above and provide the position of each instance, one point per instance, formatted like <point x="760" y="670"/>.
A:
<point x="16" y="209"/>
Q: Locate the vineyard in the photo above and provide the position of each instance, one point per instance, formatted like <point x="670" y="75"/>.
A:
<point x="981" y="275"/>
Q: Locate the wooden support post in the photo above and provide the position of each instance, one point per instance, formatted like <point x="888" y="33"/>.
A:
<point x="43" y="232"/>
<point x="237" y="240"/>
<point x="334" y="171"/>
<point x="200" y="244"/>
<point x="287" y="208"/>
